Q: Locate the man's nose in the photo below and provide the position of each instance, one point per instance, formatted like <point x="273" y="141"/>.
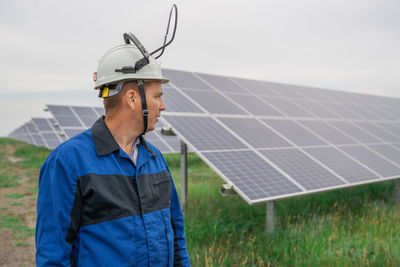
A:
<point x="162" y="106"/>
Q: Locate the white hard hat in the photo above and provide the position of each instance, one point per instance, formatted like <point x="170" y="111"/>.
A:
<point x="111" y="67"/>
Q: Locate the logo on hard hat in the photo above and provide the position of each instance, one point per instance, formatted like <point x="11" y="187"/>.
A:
<point x="95" y="76"/>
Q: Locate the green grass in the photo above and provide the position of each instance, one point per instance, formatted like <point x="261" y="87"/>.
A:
<point x="15" y="195"/>
<point x="357" y="226"/>
<point x="17" y="226"/>
<point x="350" y="227"/>
<point x="8" y="180"/>
<point x="33" y="156"/>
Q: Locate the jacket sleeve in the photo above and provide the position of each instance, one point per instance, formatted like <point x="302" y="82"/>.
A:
<point x="181" y="256"/>
<point x="57" y="212"/>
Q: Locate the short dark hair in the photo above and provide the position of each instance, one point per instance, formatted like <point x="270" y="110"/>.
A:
<point x="113" y="102"/>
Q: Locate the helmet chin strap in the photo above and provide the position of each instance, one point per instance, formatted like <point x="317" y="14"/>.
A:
<point x="145" y="111"/>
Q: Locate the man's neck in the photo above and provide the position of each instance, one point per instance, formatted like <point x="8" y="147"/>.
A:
<point x="123" y="132"/>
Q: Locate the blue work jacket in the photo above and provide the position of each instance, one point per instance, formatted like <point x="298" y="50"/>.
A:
<point x="97" y="208"/>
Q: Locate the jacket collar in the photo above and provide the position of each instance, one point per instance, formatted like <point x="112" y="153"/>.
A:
<point x="103" y="139"/>
<point x="105" y="142"/>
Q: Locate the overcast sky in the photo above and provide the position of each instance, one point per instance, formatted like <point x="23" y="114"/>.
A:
<point x="49" y="49"/>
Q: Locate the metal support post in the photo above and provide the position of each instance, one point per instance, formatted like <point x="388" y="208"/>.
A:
<point x="183" y="176"/>
<point x="397" y="191"/>
<point x="270" y="216"/>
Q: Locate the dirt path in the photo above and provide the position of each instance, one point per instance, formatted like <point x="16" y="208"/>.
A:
<point x="18" y="192"/>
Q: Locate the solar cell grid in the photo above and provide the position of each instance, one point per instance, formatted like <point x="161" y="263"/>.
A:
<point x="311" y="92"/>
<point x="302" y="168"/>
<point x="186" y="80"/>
<point x="342" y="164"/>
<point x="72" y="132"/>
<point x="222" y="83"/>
<point x="336" y="96"/>
<point x="340" y="110"/>
<point x="20" y="134"/>
<point x="288" y="107"/>
<point x="37" y="139"/>
<point x="327" y="132"/>
<point x="68" y="121"/>
<point x="371" y="159"/>
<point x="99" y="110"/>
<point x="88" y="121"/>
<point x="382" y="112"/>
<point x="251" y="174"/>
<point x="354" y="131"/>
<point x="296" y="133"/>
<point x="255" y="133"/>
<point x="390" y="127"/>
<point x="284" y="90"/>
<point x="42" y="124"/>
<point x="377" y="131"/>
<point x="84" y="111"/>
<point x="204" y="133"/>
<point x="177" y="102"/>
<point x="315" y="108"/>
<point x="60" y="110"/>
<point x="215" y="102"/>
<point x="256" y="87"/>
<point x="255" y="105"/>
<point x="363" y="113"/>
<point x="388" y="152"/>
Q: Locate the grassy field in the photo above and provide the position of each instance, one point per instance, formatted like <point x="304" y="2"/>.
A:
<point x="353" y="227"/>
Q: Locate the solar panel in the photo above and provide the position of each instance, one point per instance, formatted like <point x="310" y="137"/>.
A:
<point x="302" y="168"/>
<point x="20" y="134"/>
<point x="295" y="132"/>
<point x="49" y="134"/>
<point x="83" y="118"/>
<point x="205" y="133"/>
<point x="328" y="133"/>
<point x="288" y="107"/>
<point x="378" y="132"/>
<point x="355" y="132"/>
<point x="274" y="140"/>
<point x="35" y="137"/>
<point x="256" y="87"/>
<point x="186" y="80"/>
<point x="236" y="166"/>
<point x="389" y="152"/>
<point x="373" y="160"/>
<point x="222" y="83"/>
<point x="342" y="164"/>
<point x="257" y="134"/>
<point x="215" y="102"/>
<point x="87" y="115"/>
<point x="178" y="102"/>
<point x="315" y="108"/>
<point x="256" y="105"/>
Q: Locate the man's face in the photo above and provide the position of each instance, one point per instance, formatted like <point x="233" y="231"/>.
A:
<point x="155" y="104"/>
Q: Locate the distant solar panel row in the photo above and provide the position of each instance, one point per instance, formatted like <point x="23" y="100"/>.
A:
<point x="275" y="140"/>
<point x="39" y="132"/>
<point x="71" y="120"/>
<point x="75" y="119"/>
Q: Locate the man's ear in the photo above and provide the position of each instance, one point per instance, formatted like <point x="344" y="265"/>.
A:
<point x="131" y="98"/>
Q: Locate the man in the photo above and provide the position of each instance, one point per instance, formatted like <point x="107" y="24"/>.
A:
<point x="106" y="196"/>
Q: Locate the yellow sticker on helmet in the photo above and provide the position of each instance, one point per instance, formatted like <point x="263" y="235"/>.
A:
<point x="104" y="93"/>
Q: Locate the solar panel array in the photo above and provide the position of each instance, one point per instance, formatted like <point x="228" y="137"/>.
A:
<point x="273" y="140"/>
<point x="75" y="119"/>
<point x="71" y="120"/>
<point x="39" y="132"/>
